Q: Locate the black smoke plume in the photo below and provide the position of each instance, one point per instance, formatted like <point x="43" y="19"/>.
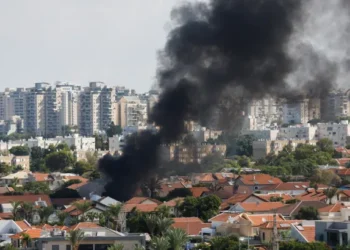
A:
<point x="217" y="51"/>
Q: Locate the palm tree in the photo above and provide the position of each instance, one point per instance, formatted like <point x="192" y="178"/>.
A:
<point x="45" y="212"/>
<point x="114" y="212"/>
<point x="116" y="247"/>
<point x="330" y="193"/>
<point x="91" y="216"/>
<point x="75" y="237"/>
<point x="16" y="207"/>
<point x="163" y="225"/>
<point x="83" y="207"/>
<point x="151" y="223"/>
<point x="178" y="203"/>
<point x="177" y="238"/>
<point x="61" y="216"/>
<point x="26" y="240"/>
<point x="28" y="209"/>
<point x="160" y="243"/>
<point x="163" y="211"/>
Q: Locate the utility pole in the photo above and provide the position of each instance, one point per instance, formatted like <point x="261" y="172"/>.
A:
<point x="275" y="245"/>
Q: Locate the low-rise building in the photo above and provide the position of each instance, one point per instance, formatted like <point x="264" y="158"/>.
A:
<point x="338" y="133"/>
<point x="333" y="233"/>
<point x="257" y="181"/>
<point x="303" y="231"/>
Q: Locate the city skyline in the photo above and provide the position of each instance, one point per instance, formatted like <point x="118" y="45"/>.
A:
<point x="60" y="41"/>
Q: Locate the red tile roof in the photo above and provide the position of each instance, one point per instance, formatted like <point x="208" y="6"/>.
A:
<point x="259" y="179"/>
<point x="25" y="198"/>
<point x="224" y="176"/>
<point x="140" y="207"/>
<point x="334" y="208"/>
<point x="6" y="215"/>
<point x="308" y="232"/>
<point x="172" y="203"/>
<point x="141" y="200"/>
<point x="286" y="224"/>
<point x="223" y="217"/>
<point x="198" y="191"/>
<point x="234" y="199"/>
<point x="343" y="150"/>
<point x="82" y="225"/>
<point x="192" y="226"/>
<point x="268" y="197"/>
<point x="260" y="207"/>
<point x="342" y="171"/>
<point x="342" y="161"/>
<point x="260" y="219"/>
<point x="34" y="233"/>
<point x="24" y="225"/>
<point x="41" y="176"/>
<point x="285" y="186"/>
<point x="312" y="196"/>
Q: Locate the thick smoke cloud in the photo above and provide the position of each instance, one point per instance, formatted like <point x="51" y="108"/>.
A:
<point x="217" y="56"/>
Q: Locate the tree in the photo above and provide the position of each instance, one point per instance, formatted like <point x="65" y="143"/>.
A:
<point x="163" y="225"/>
<point x="177" y="238"/>
<point x="61" y="216"/>
<point x="113" y="130"/>
<point x="16" y="206"/>
<point x="245" y="145"/>
<point x="189" y="207"/>
<point x="295" y="245"/>
<point x="307" y="213"/>
<point x="326" y="177"/>
<point x="213" y="162"/>
<point x="330" y="193"/>
<point x="10" y="247"/>
<point x="26" y="240"/>
<point x="347" y="146"/>
<point x="114" y="212"/>
<point x="58" y="161"/>
<point x="151" y="223"/>
<point x="224" y="243"/>
<point x="325" y="145"/>
<point x="163" y="211"/>
<point x="45" y="212"/>
<point x="74" y="238"/>
<point x="137" y="247"/>
<point x="208" y="206"/>
<point x="91" y="216"/>
<point x="116" y="247"/>
<point x="19" y="150"/>
<point x="151" y="186"/>
<point x="5" y="169"/>
<point x="27" y="209"/>
<point x="179" y="192"/>
<point x="160" y="243"/>
<point x="82" y="167"/>
<point x="63" y="146"/>
<point x="83" y="207"/>
<point x="37" y="187"/>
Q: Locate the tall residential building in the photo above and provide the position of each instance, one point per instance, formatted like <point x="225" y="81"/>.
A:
<point x="337" y="104"/>
<point x="261" y="113"/>
<point x="132" y="111"/>
<point x="6" y="105"/>
<point x="18" y="98"/>
<point x="97" y="107"/>
<point x="301" y="112"/>
<point x="35" y="112"/>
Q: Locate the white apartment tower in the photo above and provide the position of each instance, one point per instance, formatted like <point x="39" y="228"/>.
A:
<point x="337" y="104"/>
<point x="97" y="107"/>
<point x="132" y="111"/>
<point x="301" y="112"/>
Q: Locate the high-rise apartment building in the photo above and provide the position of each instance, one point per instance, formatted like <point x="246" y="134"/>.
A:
<point x="301" y="112"/>
<point x="6" y="105"/>
<point x="132" y="111"/>
<point x="337" y="104"/>
<point x="97" y="107"/>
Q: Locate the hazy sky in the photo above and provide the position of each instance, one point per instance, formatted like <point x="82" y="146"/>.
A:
<point x="114" y="41"/>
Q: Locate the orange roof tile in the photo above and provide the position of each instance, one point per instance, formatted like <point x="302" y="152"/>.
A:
<point x="260" y="207"/>
<point x="140" y="207"/>
<point x="286" y="224"/>
<point x="6" y="215"/>
<point x="25" y="198"/>
<point x="192" y="225"/>
<point x="34" y="233"/>
<point x="206" y="178"/>
<point x="259" y="179"/>
<point x="308" y="232"/>
<point x="172" y="203"/>
<point x="223" y="217"/>
<point x="41" y="176"/>
<point x="84" y="225"/>
<point x="342" y="161"/>
<point x="224" y="176"/>
<point x="140" y="200"/>
<point x="24" y="225"/>
<point x="260" y="219"/>
<point x="334" y="208"/>
<point x="312" y="195"/>
<point x="267" y="197"/>
<point x="198" y="191"/>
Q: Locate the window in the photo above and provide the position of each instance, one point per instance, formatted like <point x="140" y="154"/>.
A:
<point x="68" y="247"/>
<point x="263" y="236"/>
<point x="101" y="246"/>
<point x="55" y="247"/>
<point x="256" y="188"/>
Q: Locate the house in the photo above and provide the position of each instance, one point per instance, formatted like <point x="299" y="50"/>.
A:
<point x="283" y="229"/>
<point x="142" y="200"/>
<point x="21" y="177"/>
<point x="342" y="161"/>
<point x="246" y="225"/>
<point x="147" y="208"/>
<point x="173" y="205"/>
<point x="312" y="195"/>
<point x="343" y="195"/>
<point x="343" y="173"/>
<point x="95" y="237"/>
<point x="223" y="192"/>
<point x="236" y="199"/>
<point x="289" y="211"/>
<point x="291" y="188"/>
<point x="344" y="152"/>
<point x="23" y="161"/>
<point x="221" y="218"/>
<point x="34" y="234"/>
<point x="6" y="189"/>
<point x="9" y="228"/>
<point x="339" y="211"/>
<point x="166" y="188"/>
<point x="193" y="226"/>
<point x="303" y="231"/>
<point x="225" y="178"/>
<point x="257" y="181"/>
<point x="333" y="233"/>
<point x="198" y="191"/>
<point x="255" y="207"/>
<point x="202" y="178"/>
